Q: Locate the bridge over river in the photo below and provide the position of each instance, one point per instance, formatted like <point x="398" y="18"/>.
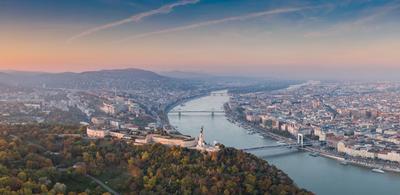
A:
<point x="319" y="175"/>
<point x="299" y="144"/>
<point x="212" y="112"/>
<point x="296" y="145"/>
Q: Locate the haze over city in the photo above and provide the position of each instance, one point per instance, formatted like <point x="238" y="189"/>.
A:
<point x="293" y="39"/>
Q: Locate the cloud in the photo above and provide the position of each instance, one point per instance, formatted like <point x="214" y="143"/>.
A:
<point x="219" y="21"/>
<point x="135" y="18"/>
<point x="357" y="24"/>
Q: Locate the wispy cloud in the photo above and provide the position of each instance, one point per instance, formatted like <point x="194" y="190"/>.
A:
<point x="359" y="23"/>
<point x="219" y="21"/>
<point x="135" y="18"/>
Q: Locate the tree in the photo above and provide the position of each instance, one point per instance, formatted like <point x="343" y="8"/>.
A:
<point x="22" y="176"/>
<point x="59" y="188"/>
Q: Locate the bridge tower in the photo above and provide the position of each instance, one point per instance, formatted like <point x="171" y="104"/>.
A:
<point x="179" y="114"/>
<point x="300" y="139"/>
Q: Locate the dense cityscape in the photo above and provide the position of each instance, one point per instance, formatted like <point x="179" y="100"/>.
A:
<point x="52" y="113"/>
<point x="353" y="119"/>
<point x="356" y="121"/>
<point x="143" y="97"/>
<point x="352" y="122"/>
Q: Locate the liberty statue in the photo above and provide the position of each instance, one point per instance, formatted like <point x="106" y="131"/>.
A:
<point x="201" y="142"/>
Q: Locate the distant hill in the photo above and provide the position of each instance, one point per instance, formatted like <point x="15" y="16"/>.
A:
<point x="187" y="75"/>
<point x="17" y="72"/>
<point x="5" y="75"/>
<point x="121" y="79"/>
<point x="127" y="79"/>
<point x="131" y="73"/>
<point x="219" y="80"/>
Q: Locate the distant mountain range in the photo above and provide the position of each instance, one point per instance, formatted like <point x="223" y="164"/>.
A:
<point x="128" y="79"/>
<point x="219" y="80"/>
<point x="103" y="79"/>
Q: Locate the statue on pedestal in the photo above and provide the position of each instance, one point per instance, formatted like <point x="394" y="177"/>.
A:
<point x="201" y="142"/>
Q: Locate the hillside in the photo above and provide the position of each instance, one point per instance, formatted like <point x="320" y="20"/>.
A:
<point x="187" y="75"/>
<point x="124" y="79"/>
<point x="35" y="160"/>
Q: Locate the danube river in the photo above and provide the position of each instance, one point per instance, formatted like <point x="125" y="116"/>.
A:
<point x="318" y="174"/>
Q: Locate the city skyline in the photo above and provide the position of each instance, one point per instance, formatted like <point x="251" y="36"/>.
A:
<point x="300" y="39"/>
<point x="296" y="97"/>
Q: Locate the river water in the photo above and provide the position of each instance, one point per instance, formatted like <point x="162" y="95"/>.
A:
<point x="317" y="174"/>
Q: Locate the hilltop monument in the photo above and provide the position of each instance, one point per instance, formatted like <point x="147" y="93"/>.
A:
<point x="201" y="142"/>
<point x="202" y="145"/>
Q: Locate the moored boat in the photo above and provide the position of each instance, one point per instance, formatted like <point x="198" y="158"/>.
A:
<point x="378" y="171"/>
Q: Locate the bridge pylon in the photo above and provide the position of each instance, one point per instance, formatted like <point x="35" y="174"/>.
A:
<point x="300" y="139"/>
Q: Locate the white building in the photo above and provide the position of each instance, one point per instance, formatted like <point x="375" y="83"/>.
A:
<point x="113" y="108"/>
<point x="182" y="141"/>
<point x="96" y="133"/>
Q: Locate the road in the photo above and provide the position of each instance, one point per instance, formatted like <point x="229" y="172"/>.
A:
<point x="103" y="185"/>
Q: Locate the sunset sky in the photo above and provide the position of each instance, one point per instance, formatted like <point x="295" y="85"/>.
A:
<point x="219" y="36"/>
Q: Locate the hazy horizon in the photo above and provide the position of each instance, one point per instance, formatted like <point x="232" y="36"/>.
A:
<point x="334" y="76"/>
<point x="291" y="39"/>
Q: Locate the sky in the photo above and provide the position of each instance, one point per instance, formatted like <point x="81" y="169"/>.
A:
<point x="288" y="38"/>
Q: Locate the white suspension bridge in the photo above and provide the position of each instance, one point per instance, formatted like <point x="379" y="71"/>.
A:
<point x="299" y="144"/>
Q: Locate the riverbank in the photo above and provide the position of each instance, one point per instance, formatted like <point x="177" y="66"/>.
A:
<point x="318" y="174"/>
<point x="172" y="105"/>
<point x="351" y="161"/>
<point x="231" y="116"/>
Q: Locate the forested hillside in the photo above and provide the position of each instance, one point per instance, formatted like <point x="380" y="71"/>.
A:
<point x="37" y="159"/>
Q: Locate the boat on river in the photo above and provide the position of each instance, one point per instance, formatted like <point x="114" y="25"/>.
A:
<point x="378" y="171"/>
<point x="314" y="154"/>
<point x="251" y="132"/>
<point x="344" y="162"/>
<point x="280" y="143"/>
